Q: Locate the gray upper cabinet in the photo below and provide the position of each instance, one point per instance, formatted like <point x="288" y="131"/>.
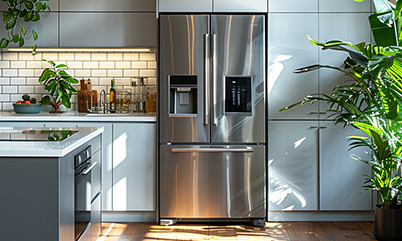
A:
<point x="46" y="29"/>
<point x="240" y="6"/>
<point x="107" y="5"/>
<point x="107" y="29"/>
<point x="53" y="4"/>
<point x="185" y="5"/>
<point x="212" y="6"/>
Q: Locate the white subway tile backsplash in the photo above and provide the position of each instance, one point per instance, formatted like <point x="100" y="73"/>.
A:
<point x="26" y="56"/>
<point x="25" y="89"/>
<point x="99" y="56"/>
<point x="98" y="73"/>
<point x="90" y="65"/>
<point x="10" y="89"/>
<point x="33" y="81"/>
<point x="4" y="81"/>
<point x="151" y="64"/>
<point x="123" y="64"/>
<point x="20" y="72"/>
<point x="115" y="56"/>
<point x="40" y="89"/>
<point x="74" y="64"/>
<point x="148" y="72"/>
<point x="139" y="64"/>
<point x="17" y="81"/>
<point x="130" y="73"/>
<point x="115" y="73"/>
<point x="131" y="56"/>
<point x="4" y="97"/>
<point x="83" y="56"/>
<point x="10" y="72"/>
<point x="106" y="65"/>
<point x="82" y="73"/>
<point x="10" y="56"/>
<point x="34" y="64"/>
<point x="66" y="56"/>
<point x="147" y="56"/>
<point x="50" y="56"/>
<point x="26" y="72"/>
<point x="4" y="64"/>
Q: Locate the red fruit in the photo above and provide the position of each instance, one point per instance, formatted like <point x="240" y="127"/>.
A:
<point x="27" y="102"/>
<point x="20" y="101"/>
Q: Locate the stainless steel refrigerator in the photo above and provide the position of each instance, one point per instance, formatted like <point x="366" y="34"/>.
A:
<point x="212" y="105"/>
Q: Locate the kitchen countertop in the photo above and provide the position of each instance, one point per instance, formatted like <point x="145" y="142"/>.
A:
<point x="48" y="148"/>
<point x="77" y="116"/>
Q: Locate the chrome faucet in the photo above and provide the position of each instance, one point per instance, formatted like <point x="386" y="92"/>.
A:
<point x="103" y="93"/>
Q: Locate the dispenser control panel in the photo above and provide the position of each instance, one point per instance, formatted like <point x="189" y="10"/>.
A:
<point x="238" y="95"/>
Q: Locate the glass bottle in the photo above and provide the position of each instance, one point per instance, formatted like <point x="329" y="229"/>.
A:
<point x="113" y="98"/>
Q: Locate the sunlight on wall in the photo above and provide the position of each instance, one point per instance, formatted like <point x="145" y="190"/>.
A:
<point x="275" y="69"/>
<point x="299" y="142"/>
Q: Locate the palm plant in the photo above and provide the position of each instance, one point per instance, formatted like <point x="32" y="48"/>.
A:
<point x="372" y="99"/>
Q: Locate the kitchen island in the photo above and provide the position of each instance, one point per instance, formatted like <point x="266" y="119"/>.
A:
<point x="37" y="183"/>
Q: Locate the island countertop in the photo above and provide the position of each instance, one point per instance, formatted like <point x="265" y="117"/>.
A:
<point x="29" y="148"/>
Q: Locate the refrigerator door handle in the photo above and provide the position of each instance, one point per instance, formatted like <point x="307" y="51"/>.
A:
<point x="207" y="55"/>
<point x="213" y="59"/>
<point x="235" y="150"/>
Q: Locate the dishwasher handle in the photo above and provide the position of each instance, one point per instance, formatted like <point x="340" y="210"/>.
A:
<point x="214" y="150"/>
<point x="89" y="168"/>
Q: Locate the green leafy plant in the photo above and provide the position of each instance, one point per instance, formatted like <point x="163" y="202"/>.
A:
<point x="372" y="98"/>
<point x="28" y="11"/>
<point x="58" y="83"/>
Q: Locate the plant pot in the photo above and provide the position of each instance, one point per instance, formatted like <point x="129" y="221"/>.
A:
<point x="387" y="224"/>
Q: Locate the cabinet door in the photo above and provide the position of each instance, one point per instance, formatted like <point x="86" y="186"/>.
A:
<point x="292" y="165"/>
<point x="289" y="49"/>
<point x="134" y="166"/>
<point x="344" y="6"/>
<point x="341" y="177"/>
<point x="329" y="29"/>
<point x="106" y="156"/>
<point x="185" y="5"/>
<point x="293" y="6"/>
<point x="240" y="6"/>
<point x="98" y="29"/>
<point x="107" y="5"/>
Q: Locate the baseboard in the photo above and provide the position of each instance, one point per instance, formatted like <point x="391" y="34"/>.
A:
<point x="117" y="217"/>
<point x="320" y="216"/>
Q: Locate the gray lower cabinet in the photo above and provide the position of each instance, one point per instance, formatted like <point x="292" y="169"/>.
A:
<point x="341" y="177"/>
<point x="310" y="168"/>
<point x="134" y="158"/>
<point x="107" y="29"/>
<point x="106" y="155"/>
<point x="292" y="166"/>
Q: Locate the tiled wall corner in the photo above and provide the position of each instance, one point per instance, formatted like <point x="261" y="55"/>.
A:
<point x="19" y="72"/>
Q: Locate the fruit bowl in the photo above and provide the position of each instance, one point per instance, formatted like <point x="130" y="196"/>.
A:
<point x="27" y="108"/>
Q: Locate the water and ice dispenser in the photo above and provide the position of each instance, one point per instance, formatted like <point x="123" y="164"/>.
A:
<point x="183" y="95"/>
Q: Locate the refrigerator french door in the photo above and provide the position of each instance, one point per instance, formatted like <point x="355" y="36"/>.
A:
<point x="212" y="116"/>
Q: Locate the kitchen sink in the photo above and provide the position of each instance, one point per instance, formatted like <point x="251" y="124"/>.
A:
<point x="106" y="115"/>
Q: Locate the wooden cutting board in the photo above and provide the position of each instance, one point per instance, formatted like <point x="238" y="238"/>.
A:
<point x="84" y="96"/>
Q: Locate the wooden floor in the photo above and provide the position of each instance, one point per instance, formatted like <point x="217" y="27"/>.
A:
<point x="295" y="231"/>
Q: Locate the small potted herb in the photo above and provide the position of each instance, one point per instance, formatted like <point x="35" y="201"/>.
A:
<point x="58" y="83"/>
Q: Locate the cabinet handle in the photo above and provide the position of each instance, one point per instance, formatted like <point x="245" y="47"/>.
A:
<point x="247" y="149"/>
<point x="322" y="127"/>
<point x="313" y="112"/>
<point x="86" y="171"/>
<point x="313" y="127"/>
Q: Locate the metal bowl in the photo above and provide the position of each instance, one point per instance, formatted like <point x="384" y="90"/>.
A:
<point x="27" y="108"/>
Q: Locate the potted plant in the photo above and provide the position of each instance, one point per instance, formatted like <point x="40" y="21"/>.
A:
<point x="58" y="83"/>
<point x="371" y="101"/>
<point x="27" y="10"/>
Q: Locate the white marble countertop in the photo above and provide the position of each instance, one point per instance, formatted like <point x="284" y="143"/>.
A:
<point x="48" y="148"/>
<point x="77" y="116"/>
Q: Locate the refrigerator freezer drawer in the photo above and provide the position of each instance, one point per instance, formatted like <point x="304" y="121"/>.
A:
<point x="212" y="182"/>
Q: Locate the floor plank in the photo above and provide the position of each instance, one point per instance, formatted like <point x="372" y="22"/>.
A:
<point x="287" y="231"/>
<point x="353" y="231"/>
